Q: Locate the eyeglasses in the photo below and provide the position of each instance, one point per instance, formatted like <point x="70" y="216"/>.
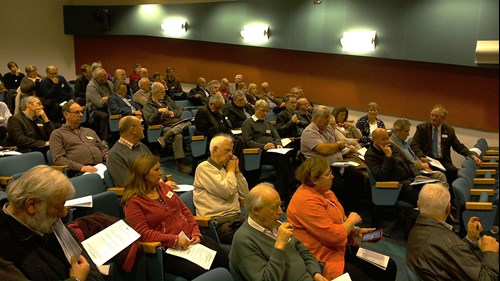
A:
<point x="266" y="110"/>
<point x="78" y="112"/>
<point x="327" y="176"/>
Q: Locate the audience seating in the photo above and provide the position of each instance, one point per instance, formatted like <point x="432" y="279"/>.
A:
<point x="87" y="184"/>
<point x="11" y="165"/>
<point x="114" y="119"/>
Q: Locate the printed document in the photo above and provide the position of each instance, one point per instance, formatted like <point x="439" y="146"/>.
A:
<point x="418" y="181"/>
<point x="343" y="277"/>
<point x="197" y="254"/>
<point x="70" y="247"/>
<point x="435" y="163"/>
<point x="344" y="164"/>
<point x="374" y="258"/>
<point x="80" y="202"/>
<point x="110" y="241"/>
<point x="101" y="168"/>
<point x="285" y="141"/>
<point x="280" y="150"/>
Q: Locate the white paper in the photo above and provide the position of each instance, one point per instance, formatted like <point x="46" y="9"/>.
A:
<point x="362" y="151"/>
<point x="70" y="247"/>
<point x="85" y="201"/>
<point x="374" y="258"/>
<point x="237" y="132"/>
<point x="279" y="150"/>
<point x="285" y="141"/>
<point x="435" y="163"/>
<point x="184" y="188"/>
<point x="108" y="242"/>
<point x="343" y="277"/>
<point x="476" y="150"/>
<point x="344" y="164"/>
<point x="418" y="181"/>
<point x="424" y="172"/>
<point x="9" y="153"/>
<point x="197" y="254"/>
<point x="101" y="168"/>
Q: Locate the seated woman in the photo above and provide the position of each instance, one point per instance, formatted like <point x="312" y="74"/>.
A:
<point x="155" y="211"/>
<point x="368" y="123"/>
<point x="321" y="224"/>
<point x="342" y="125"/>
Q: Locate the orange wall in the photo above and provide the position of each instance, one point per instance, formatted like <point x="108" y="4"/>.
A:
<point x="401" y="88"/>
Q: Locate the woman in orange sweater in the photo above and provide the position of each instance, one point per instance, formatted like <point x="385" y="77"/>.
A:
<point x="322" y="225"/>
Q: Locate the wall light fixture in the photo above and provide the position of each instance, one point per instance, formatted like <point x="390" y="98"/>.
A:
<point x="358" y="41"/>
<point x="174" y="26"/>
<point x="255" y="33"/>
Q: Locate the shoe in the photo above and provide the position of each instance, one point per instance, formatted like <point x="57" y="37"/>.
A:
<point x="184" y="169"/>
<point x="162" y="142"/>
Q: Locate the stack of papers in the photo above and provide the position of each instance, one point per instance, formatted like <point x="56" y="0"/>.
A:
<point x="101" y="168"/>
<point x="374" y="258"/>
<point x="418" y="181"/>
<point x="344" y="164"/>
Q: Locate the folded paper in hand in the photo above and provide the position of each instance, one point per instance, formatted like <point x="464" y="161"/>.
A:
<point x="435" y="163"/>
<point x="80" y="202"/>
<point x="418" y="181"/>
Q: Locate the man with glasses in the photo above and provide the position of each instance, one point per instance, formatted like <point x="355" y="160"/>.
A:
<point x="259" y="133"/>
<point x="436" y="139"/>
<point x="288" y="123"/>
<point x="77" y="147"/>
<point x="30" y="129"/>
<point x="126" y="149"/>
<point x="238" y="110"/>
<point x="53" y="90"/>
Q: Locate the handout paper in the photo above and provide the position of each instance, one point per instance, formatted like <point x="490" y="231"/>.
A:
<point x="372" y="257"/>
<point x="198" y="254"/>
<point x="344" y="164"/>
<point x="70" y="247"/>
<point x="108" y="242"/>
<point x="85" y="201"/>
<point x="435" y="163"/>
<point x="279" y="150"/>
<point x="101" y="168"/>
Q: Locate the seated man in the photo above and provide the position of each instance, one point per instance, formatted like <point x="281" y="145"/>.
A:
<point x="77" y="147"/>
<point x="435" y="252"/>
<point x="220" y="188"/>
<point x="264" y="250"/>
<point x="400" y="132"/>
<point x="81" y="84"/>
<point x="143" y="73"/>
<point x="232" y="87"/>
<point x="142" y="95"/>
<point x="209" y="120"/>
<point x="268" y="96"/>
<point x="126" y="149"/>
<point x="257" y="132"/>
<point x="319" y="139"/>
<point x="199" y="95"/>
<point x="389" y="164"/>
<point x="30" y="130"/>
<point x="174" y="86"/>
<point x="238" y="110"/>
<point x="304" y="111"/>
<point x="4" y="120"/>
<point x="288" y="123"/>
<point x="120" y="103"/>
<point x="161" y="109"/>
<point x="436" y="139"/>
<point x="98" y="92"/>
<point x="29" y="249"/>
<point x="53" y="90"/>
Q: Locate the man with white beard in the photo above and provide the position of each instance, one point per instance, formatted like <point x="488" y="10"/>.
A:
<point x="29" y="249"/>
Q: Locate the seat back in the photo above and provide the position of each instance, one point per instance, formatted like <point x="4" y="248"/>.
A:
<point x="114" y="119"/>
<point x="187" y="198"/>
<point x="10" y="165"/>
<point x="186" y="115"/>
<point x="153" y="133"/>
<point x="251" y="158"/>
<point x="383" y="196"/>
<point x="87" y="184"/>
<point x="108" y="180"/>
<point x="106" y="202"/>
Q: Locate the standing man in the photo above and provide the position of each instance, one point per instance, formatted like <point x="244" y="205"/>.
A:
<point x="29" y="248"/>
<point x="262" y="249"/>
<point x="99" y="90"/>
<point x="30" y="129"/>
<point x="435" y="139"/>
<point x="77" y="147"/>
<point x="435" y="252"/>
<point x="54" y="89"/>
<point x="220" y="189"/>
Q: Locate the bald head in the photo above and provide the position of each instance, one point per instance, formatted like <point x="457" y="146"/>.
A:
<point x="130" y="129"/>
<point x="259" y="196"/>
<point x="380" y="137"/>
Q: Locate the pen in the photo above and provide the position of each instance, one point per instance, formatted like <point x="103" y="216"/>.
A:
<point x="280" y="222"/>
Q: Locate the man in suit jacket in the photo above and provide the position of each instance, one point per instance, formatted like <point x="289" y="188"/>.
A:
<point x="238" y="110"/>
<point x="120" y="103"/>
<point x="199" y="95"/>
<point x="31" y="128"/>
<point x="422" y="143"/>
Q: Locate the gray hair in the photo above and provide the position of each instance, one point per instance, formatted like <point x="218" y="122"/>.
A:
<point x="433" y="199"/>
<point x="40" y="182"/>
<point x="320" y="111"/>
<point x="157" y="87"/>
<point x="255" y="199"/>
<point x="442" y="110"/>
<point x="238" y="94"/>
<point x="27" y="100"/>
<point x="96" y="65"/>
<point x="218" y="140"/>
<point x="97" y="72"/>
<point x="212" y="84"/>
<point x="401" y="124"/>
<point x="216" y="99"/>
<point x="261" y="103"/>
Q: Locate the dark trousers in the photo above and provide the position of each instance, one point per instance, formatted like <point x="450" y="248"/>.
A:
<point x="362" y="270"/>
<point x="350" y="185"/>
<point x="100" y="123"/>
<point x="284" y="173"/>
<point x="184" y="268"/>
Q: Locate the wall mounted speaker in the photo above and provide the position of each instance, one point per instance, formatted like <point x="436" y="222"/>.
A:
<point x="101" y="20"/>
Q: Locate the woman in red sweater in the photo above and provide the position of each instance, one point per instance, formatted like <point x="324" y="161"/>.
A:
<point x="154" y="210"/>
<point x="321" y="224"/>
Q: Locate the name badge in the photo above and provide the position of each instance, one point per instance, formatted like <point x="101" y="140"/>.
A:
<point x="62" y="85"/>
<point x="39" y="125"/>
<point x="444" y="136"/>
<point x="90" y="138"/>
<point x="268" y="131"/>
<point x="170" y="194"/>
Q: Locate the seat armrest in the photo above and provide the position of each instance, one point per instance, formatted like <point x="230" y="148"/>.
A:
<point x="155" y="127"/>
<point x="485" y="171"/>
<point x="489" y="165"/>
<point x="486" y="206"/>
<point x="488" y="181"/>
<point x="4" y="180"/>
<point x="115" y="116"/>
<point x="387" y="184"/>
<point x="198" y="138"/>
<point x="202" y="221"/>
<point x="149" y="247"/>
<point x="492" y="152"/>
<point x="478" y="191"/>
<point x="251" y="150"/>
<point x="117" y="190"/>
<point x="490" y="158"/>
